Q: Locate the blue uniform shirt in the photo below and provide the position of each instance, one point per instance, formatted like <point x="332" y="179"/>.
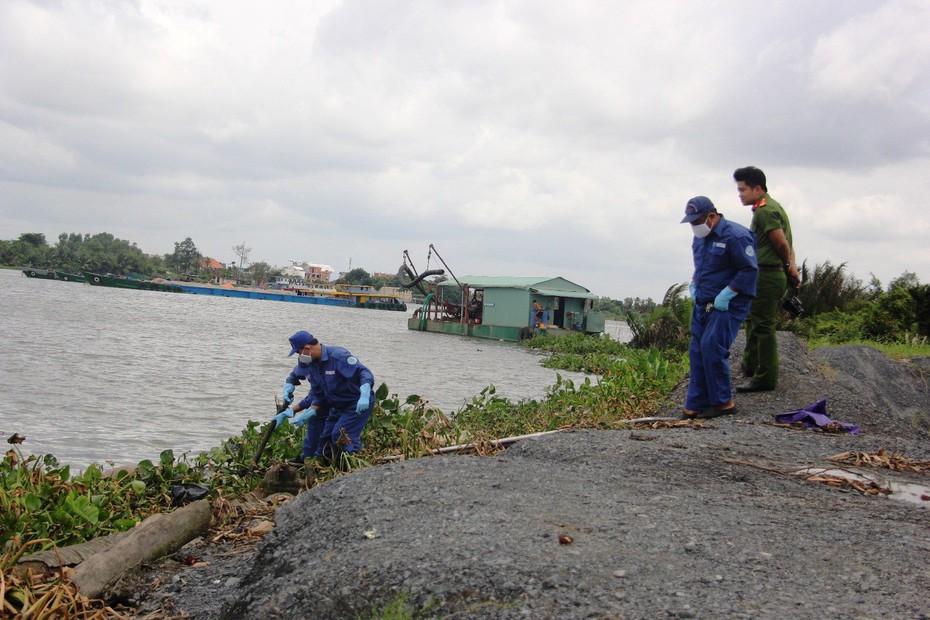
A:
<point x="725" y="257"/>
<point x="334" y="379"/>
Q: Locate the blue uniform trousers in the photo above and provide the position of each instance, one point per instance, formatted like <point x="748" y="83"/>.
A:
<point x="315" y="427"/>
<point x="712" y="333"/>
<point x="343" y="421"/>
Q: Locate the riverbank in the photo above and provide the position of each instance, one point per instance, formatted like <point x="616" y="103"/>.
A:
<point x="682" y="521"/>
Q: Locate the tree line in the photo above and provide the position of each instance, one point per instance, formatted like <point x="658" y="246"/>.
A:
<point x="838" y="308"/>
<point x="104" y="253"/>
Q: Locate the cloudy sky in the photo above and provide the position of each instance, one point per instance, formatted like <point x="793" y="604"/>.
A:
<point x="538" y="137"/>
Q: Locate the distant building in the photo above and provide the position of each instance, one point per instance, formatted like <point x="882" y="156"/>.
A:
<point x="211" y="264"/>
<point x="311" y="272"/>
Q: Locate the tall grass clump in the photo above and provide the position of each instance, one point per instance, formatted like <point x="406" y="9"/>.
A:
<point x="668" y="327"/>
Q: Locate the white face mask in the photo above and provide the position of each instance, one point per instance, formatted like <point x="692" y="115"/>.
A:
<point x="304" y="359"/>
<point x="700" y="230"/>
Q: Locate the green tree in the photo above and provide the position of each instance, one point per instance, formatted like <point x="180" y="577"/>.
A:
<point x="69" y="252"/>
<point x="906" y="280"/>
<point x="261" y="272"/>
<point x="665" y="327"/>
<point x="890" y="316"/>
<point x="30" y="250"/>
<point x="105" y="253"/>
<point x="921" y="295"/>
<point x="380" y="282"/>
<point x="358" y="276"/>
<point x="34" y="239"/>
<point x="185" y="259"/>
<point x="828" y="287"/>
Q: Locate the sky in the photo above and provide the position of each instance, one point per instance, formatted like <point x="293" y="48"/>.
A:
<point x="521" y="138"/>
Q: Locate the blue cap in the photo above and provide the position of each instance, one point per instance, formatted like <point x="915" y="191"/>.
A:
<point x="299" y="341"/>
<point x="696" y="208"/>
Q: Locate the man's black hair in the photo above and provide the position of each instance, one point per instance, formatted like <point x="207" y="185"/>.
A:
<point x="751" y="176"/>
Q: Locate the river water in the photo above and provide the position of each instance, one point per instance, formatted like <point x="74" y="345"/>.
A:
<point x="94" y="374"/>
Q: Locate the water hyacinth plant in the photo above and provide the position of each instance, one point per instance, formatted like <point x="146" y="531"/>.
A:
<point x="43" y="505"/>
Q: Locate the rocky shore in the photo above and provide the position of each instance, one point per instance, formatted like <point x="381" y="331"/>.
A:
<point x="707" y="520"/>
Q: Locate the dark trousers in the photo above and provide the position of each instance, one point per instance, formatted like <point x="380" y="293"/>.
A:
<point x="314" y="432"/>
<point x="760" y="359"/>
<point x="712" y="333"/>
<point x="343" y="430"/>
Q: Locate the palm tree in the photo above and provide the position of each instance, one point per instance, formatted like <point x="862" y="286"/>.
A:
<point x="666" y="327"/>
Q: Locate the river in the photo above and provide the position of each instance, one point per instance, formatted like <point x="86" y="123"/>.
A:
<point x="93" y="374"/>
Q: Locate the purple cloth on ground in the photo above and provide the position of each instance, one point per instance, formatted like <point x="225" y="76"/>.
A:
<point x="814" y="415"/>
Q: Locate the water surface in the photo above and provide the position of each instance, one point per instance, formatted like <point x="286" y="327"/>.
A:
<point x="94" y="374"/>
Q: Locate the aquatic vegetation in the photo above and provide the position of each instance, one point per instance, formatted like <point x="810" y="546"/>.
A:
<point x="42" y="505"/>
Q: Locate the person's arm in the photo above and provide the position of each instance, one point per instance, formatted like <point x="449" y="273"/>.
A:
<point x="287" y="393"/>
<point x="365" y="375"/>
<point x="785" y="252"/>
<point x="743" y="255"/>
<point x="301" y="415"/>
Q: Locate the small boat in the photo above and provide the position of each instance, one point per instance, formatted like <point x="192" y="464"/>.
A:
<point x="97" y="279"/>
<point x="49" y="274"/>
<point x="365" y="296"/>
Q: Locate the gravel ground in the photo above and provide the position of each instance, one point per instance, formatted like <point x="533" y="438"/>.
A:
<point x="692" y="522"/>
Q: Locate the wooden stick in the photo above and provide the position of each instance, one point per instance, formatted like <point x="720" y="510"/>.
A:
<point x="506" y="441"/>
<point x="156" y="536"/>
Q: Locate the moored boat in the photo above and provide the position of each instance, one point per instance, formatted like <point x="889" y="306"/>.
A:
<point x="50" y="274"/>
<point x="266" y="295"/>
<point x="365" y="296"/>
<point x="97" y="279"/>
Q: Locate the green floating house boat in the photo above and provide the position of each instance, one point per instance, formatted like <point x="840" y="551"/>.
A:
<point x="503" y="308"/>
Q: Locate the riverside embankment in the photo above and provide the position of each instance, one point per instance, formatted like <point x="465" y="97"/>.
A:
<point x="702" y="521"/>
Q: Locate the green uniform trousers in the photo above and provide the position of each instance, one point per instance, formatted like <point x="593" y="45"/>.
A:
<point x="760" y="359"/>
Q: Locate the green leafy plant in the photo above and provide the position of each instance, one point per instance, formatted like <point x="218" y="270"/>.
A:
<point x="666" y="327"/>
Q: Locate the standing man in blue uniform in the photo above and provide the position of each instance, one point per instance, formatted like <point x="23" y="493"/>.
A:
<point x="722" y="288"/>
<point x="777" y="267"/>
<point x="339" y="403"/>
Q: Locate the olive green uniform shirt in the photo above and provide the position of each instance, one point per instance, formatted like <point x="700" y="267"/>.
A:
<point x="767" y="217"/>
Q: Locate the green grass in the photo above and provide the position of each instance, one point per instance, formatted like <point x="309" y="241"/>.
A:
<point x="898" y="351"/>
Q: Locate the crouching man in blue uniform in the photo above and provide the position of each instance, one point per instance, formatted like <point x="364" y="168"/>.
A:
<point x="339" y="403"/>
<point x="722" y="288"/>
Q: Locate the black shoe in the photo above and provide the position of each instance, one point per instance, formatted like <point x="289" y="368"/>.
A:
<point x="713" y="412"/>
<point x="297" y="460"/>
<point x="752" y="386"/>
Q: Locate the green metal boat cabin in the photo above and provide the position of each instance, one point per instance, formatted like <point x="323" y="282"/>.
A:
<point x="501" y="308"/>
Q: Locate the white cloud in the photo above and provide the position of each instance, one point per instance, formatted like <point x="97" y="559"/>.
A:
<point x="882" y="56"/>
<point x="520" y="137"/>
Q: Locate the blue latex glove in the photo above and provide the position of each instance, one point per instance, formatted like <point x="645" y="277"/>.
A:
<point x="279" y="419"/>
<point x="287" y="394"/>
<point x="364" y="400"/>
<point x="722" y="300"/>
<point x="303" y="417"/>
<point x="693" y="290"/>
